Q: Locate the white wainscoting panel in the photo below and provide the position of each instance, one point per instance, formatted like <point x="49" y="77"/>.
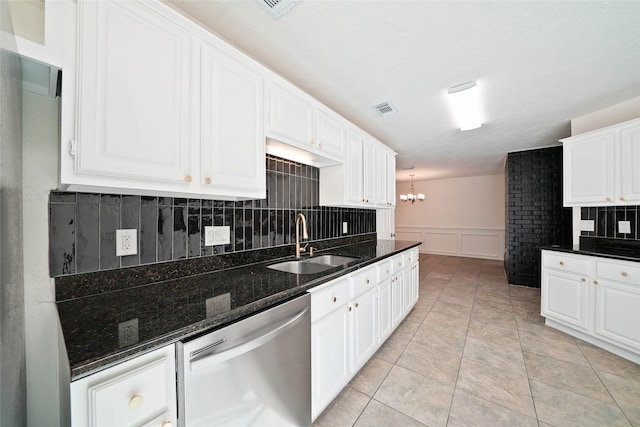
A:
<point x="466" y="242"/>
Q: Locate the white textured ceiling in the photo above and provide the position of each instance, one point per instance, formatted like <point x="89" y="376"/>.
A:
<point x="538" y="64"/>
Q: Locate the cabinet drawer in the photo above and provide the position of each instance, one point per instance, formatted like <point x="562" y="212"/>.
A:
<point x="385" y="270"/>
<point x="410" y="257"/>
<point x="398" y="263"/>
<point x="619" y="271"/>
<point x="361" y="281"/>
<point x="133" y="393"/>
<point x="563" y="262"/>
<point x="329" y="299"/>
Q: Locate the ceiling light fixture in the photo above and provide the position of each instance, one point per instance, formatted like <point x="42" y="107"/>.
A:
<point x="412" y="196"/>
<point x="466" y="105"/>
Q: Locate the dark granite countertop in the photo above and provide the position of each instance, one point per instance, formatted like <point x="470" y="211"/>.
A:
<point x="176" y="309"/>
<point x="601" y="247"/>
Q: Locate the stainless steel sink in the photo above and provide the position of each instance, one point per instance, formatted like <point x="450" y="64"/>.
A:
<point x="312" y="265"/>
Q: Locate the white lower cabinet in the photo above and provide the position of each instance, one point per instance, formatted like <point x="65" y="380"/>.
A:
<point x="351" y="317"/>
<point x="139" y="392"/>
<point x="595" y="299"/>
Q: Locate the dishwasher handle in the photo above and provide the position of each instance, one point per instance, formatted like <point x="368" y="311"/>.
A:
<point x="202" y="356"/>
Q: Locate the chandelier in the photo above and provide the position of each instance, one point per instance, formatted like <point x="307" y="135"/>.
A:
<point x="412" y="196"/>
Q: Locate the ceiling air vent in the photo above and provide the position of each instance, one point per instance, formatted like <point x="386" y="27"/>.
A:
<point x="278" y="7"/>
<point x="386" y="108"/>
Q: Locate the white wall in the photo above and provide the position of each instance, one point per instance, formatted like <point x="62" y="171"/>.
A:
<point x="612" y="115"/>
<point x="460" y="216"/>
<point x="47" y="367"/>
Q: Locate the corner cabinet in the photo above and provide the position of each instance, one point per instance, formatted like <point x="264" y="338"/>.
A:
<point x="139" y="392"/>
<point x="594" y="299"/>
<point x="162" y="107"/>
<point x="602" y="167"/>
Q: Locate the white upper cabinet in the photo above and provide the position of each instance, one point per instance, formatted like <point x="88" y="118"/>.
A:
<point x="232" y="126"/>
<point x="300" y="121"/>
<point x="354" y="167"/>
<point x="163" y="107"/>
<point x="134" y="87"/>
<point x="603" y="167"/>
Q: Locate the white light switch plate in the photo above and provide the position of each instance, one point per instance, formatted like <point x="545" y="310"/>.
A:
<point x="345" y="227"/>
<point x="216" y="235"/>
<point x="624" y="227"/>
<point x="587" y="225"/>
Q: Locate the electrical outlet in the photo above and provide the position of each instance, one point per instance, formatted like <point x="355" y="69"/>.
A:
<point x="587" y="225"/>
<point x="208" y="235"/>
<point x="126" y="242"/>
<point x="345" y="227"/>
<point x="128" y="332"/>
<point x="624" y="227"/>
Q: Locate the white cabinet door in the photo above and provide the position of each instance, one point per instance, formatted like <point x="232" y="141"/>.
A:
<point x="385" y="224"/>
<point x="138" y="392"/>
<point x="380" y="177"/>
<point x="397" y="303"/>
<point x="588" y="175"/>
<point x="391" y="179"/>
<point x="291" y="116"/>
<point x="134" y="91"/>
<point x="232" y="126"/>
<point x="353" y="168"/>
<point x="630" y="164"/>
<point x="565" y="298"/>
<point x="385" y="324"/>
<point x="407" y="291"/>
<point x="330" y="358"/>
<point x="617" y="313"/>
<point x="330" y="134"/>
<point x="364" y="332"/>
<point x="415" y="283"/>
<point x="369" y="173"/>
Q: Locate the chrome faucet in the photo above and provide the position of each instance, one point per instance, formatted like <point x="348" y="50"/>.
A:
<point x="304" y="234"/>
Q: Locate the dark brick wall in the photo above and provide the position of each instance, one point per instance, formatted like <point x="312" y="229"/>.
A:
<point x="535" y="215"/>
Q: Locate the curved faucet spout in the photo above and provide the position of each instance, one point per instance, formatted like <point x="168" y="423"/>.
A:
<point x="305" y="235"/>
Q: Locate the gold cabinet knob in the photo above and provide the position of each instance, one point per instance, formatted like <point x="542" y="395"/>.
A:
<point x="356" y="305"/>
<point x="561" y="262"/>
<point x="188" y="178"/>
<point x="166" y="424"/>
<point x="320" y="145"/>
<point x="349" y="308"/>
<point x="207" y="180"/>
<point x="621" y="199"/>
<point x="624" y="274"/>
<point x="366" y="282"/>
<point x="313" y="142"/>
<point x="595" y="282"/>
<point x="334" y="299"/>
<point x="583" y="279"/>
<point x="608" y="199"/>
<point x="136" y="401"/>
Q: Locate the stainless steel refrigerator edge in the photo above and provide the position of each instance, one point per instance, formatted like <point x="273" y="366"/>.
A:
<point x="256" y="372"/>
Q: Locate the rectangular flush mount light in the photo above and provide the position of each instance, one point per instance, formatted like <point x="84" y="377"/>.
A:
<point x="466" y="105"/>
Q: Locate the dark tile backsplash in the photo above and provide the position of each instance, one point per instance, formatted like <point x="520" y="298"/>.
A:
<point x="82" y="226"/>
<point x="606" y="221"/>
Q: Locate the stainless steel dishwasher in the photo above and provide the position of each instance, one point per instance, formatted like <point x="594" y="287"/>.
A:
<point x="256" y="372"/>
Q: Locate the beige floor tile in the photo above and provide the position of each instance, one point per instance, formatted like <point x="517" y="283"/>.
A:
<point x="440" y="320"/>
<point x="452" y="309"/>
<point x="497" y="304"/>
<point x="498" y="385"/>
<point x="489" y="316"/>
<point x="485" y="296"/>
<point x="561" y="349"/>
<point x="418" y="313"/>
<point x="577" y="378"/>
<point x="495" y="355"/>
<point x="560" y="407"/>
<point x="405" y="330"/>
<point x="344" y="410"/>
<point x="603" y="360"/>
<point x="625" y="390"/>
<point x="458" y="297"/>
<point x="439" y="274"/>
<point x="369" y="378"/>
<point x="468" y="410"/>
<point x="422" y="398"/>
<point x="391" y="349"/>
<point x="440" y="339"/>
<point x="377" y="414"/>
<point x="430" y="362"/>
<point x="494" y="334"/>
<point x="633" y="415"/>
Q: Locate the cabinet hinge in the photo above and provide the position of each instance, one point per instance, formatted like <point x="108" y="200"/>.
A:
<point x="72" y="147"/>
